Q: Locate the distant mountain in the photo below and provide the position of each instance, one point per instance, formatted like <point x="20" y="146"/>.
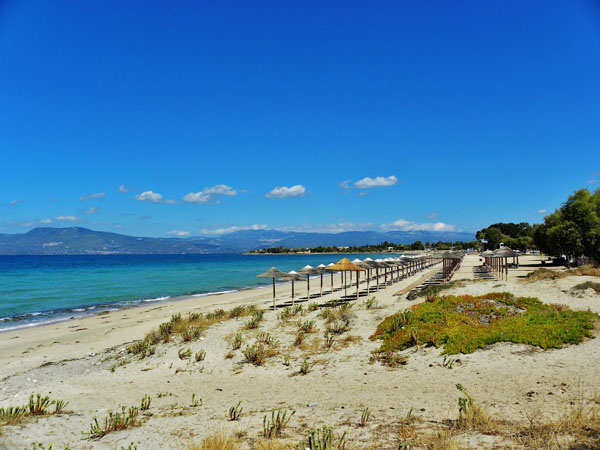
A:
<point x="81" y="241"/>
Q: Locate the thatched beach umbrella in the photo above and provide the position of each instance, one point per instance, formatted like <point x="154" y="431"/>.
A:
<point x="329" y="265"/>
<point x="308" y="271"/>
<point x="273" y="272"/>
<point x="344" y="265"/>
<point x="292" y="276"/>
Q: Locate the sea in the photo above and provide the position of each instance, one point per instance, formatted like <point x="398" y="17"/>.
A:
<point x="36" y="290"/>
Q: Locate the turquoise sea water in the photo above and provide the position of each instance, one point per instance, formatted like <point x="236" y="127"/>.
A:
<point x="43" y="289"/>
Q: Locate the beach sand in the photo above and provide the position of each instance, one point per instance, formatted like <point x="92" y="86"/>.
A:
<point x="72" y="360"/>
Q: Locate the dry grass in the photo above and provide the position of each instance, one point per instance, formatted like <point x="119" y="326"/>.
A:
<point x="219" y="440"/>
<point x="274" y="444"/>
<point x="549" y="274"/>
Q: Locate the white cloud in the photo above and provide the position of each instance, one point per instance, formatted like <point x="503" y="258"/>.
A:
<point x="119" y="225"/>
<point x="432" y="215"/>
<point x="228" y="230"/>
<point x="369" y="182"/>
<point x="46" y="221"/>
<point x="178" y="233"/>
<point x="286" y="192"/>
<point x="542" y="211"/>
<point x="66" y="218"/>
<point x="92" y="210"/>
<point x="408" y="225"/>
<point x="15" y="202"/>
<point x="94" y="195"/>
<point x="338" y="227"/>
<point x="208" y="193"/>
<point x="149" y="196"/>
<point x="123" y="189"/>
<point x="345" y="184"/>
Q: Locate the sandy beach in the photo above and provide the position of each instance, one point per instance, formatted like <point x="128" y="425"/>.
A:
<point x="85" y="362"/>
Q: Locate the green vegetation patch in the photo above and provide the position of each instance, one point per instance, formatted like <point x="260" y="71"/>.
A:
<point x="462" y="324"/>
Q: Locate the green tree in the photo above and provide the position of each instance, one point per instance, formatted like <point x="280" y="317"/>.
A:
<point x="574" y="228"/>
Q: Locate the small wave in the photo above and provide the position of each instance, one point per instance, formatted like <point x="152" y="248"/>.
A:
<point x="157" y="299"/>
<point x="206" y="294"/>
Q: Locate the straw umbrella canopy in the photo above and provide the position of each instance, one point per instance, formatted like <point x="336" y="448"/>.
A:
<point x="343" y="265"/>
<point x="292" y="276"/>
<point x="321" y="270"/>
<point x="273" y="272"/>
<point x="308" y="270"/>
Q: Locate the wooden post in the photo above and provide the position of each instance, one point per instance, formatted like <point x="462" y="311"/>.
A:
<point x="292" y="292"/>
<point x="357" y="283"/>
<point x="321" y="284"/>
<point x="274" y="294"/>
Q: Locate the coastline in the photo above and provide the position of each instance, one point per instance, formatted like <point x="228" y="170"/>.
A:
<point x="85" y="362"/>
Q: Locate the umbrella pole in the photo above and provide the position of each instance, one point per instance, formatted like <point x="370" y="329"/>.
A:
<point x="321" y="285"/>
<point x="292" y="292"/>
<point x="368" y="282"/>
<point x="357" y="283"/>
<point x="345" y="286"/>
<point x="273" y="293"/>
<point x="332" y="282"/>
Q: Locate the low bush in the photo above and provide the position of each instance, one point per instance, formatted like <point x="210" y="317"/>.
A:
<point x="462" y="324"/>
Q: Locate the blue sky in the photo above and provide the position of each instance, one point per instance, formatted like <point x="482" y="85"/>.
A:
<point x="160" y="118"/>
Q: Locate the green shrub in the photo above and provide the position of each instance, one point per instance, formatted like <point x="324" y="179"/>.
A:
<point x="462" y="324"/>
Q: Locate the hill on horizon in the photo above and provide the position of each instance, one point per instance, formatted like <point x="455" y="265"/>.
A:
<point x="82" y="241"/>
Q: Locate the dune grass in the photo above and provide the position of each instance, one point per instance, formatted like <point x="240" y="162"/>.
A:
<point x="548" y="274"/>
<point x="587" y="285"/>
<point x="462" y="324"/>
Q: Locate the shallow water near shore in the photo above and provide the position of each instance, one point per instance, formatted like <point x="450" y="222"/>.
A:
<point x="41" y="289"/>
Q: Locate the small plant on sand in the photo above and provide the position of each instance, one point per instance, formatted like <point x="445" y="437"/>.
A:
<point x="139" y="348"/>
<point x="165" y="329"/>
<point x="267" y="339"/>
<point x="235" y="412"/>
<point x="339" y="326"/>
<point x="175" y="318"/>
<point x="323" y="439"/>
<point x="216" y="315"/>
<point x="312" y="306"/>
<point x="364" y="417"/>
<point x="59" y="406"/>
<point x="255" y="320"/>
<point x="255" y="354"/>
<point x="236" y="341"/>
<point x="285" y="314"/>
<point x="145" y="403"/>
<point x="115" y="421"/>
<point x="297" y="309"/>
<point x="195" y="401"/>
<point x="299" y="338"/>
<point x="279" y="420"/>
<point x="308" y="326"/>
<point x="388" y="358"/>
<point x="329" y="340"/>
<point x="305" y="367"/>
<point x="184" y="353"/>
<point x="371" y="303"/>
<point x="287" y="360"/>
<point x="470" y="415"/>
<point x="39" y="406"/>
<point x="191" y="333"/>
<point x="200" y="355"/>
<point x="12" y="415"/>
